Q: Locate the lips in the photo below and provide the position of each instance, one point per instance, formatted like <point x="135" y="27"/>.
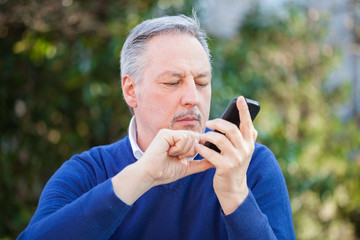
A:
<point x="189" y="121"/>
<point x="189" y="118"/>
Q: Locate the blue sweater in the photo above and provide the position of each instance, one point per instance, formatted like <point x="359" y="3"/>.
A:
<point x="78" y="202"/>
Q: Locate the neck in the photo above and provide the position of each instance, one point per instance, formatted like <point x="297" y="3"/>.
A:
<point x="143" y="137"/>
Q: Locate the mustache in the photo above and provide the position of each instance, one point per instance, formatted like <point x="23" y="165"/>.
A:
<point x="192" y="111"/>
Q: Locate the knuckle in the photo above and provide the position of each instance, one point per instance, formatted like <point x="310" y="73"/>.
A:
<point x="249" y="125"/>
<point x="232" y="128"/>
<point x="221" y="140"/>
<point x="250" y="151"/>
<point x="163" y="131"/>
<point x="255" y="133"/>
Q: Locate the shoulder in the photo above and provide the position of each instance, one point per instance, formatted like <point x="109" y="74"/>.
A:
<point x="98" y="163"/>
<point x="110" y="151"/>
<point x="261" y="151"/>
<point x="263" y="156"/>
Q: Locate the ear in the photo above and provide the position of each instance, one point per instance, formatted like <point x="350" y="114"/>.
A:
<point x="128" y="88"/>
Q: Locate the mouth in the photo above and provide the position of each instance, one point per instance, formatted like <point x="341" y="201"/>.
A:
<point x="188" y="120"/>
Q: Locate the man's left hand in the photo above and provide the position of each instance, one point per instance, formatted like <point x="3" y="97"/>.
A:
<point x="237" y="145"/>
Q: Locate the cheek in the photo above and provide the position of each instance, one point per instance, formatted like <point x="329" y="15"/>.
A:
<point x="159" y="108"/>
<point x="206" y="104"/>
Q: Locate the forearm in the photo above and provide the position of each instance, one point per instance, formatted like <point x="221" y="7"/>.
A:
<point x="268" y="190"/>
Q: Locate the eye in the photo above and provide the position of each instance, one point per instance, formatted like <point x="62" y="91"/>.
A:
<point x="202" y="84"/>
<point x="171" y="83"/>
<point x="202" y="80"/>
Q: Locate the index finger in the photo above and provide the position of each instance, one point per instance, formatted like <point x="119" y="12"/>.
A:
<point x="246" y="126"/>
<point x="183" y="143"/>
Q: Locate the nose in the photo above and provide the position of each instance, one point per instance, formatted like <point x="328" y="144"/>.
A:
<point x="190" y="94"/>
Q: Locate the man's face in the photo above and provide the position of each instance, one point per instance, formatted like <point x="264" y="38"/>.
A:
<point x="175" y="89"/>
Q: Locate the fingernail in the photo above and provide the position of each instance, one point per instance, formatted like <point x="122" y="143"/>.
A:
<point x="243" y="100"/>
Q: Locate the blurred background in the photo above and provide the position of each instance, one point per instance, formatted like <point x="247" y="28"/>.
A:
<point x="60" y="93"/>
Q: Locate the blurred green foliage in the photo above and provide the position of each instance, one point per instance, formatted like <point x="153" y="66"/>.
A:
<point x="283" y="62"/>
<point x="60" y="95"/>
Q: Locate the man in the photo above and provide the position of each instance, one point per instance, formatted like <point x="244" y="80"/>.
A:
<point x="147" y="185"/>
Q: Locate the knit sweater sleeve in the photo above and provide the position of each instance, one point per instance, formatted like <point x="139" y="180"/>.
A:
<point x="78" y="202"/>
<point x="266" y="212"/>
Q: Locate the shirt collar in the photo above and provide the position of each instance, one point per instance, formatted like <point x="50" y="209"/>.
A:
<point x="138" y="153"/>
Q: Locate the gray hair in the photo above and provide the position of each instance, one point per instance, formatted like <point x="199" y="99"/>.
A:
<point x="132" y="61"/>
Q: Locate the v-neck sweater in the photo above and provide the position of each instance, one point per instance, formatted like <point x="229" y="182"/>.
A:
<point x="79" y="202"/>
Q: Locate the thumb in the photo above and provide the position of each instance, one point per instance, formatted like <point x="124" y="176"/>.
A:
<point x="197" y="166"/>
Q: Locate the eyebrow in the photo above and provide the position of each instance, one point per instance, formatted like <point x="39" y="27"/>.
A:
<point x="181" y="75"/>
<point x="203" y="74"/>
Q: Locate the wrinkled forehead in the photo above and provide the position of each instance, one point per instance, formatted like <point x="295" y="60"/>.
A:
<point x="178" y="54"/>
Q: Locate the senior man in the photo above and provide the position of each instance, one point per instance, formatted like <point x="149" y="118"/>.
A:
<point x="148" y="185"/>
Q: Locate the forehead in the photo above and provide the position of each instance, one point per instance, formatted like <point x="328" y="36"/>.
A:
<point x="176" y="51"/>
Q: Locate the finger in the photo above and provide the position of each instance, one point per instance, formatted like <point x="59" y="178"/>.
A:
<point x="184" y="143"/>
<point x="231" y="131"/>
<point x="212" y="156"/>
<point x="198" y="166"/>
<point x="220" y="140"/>
<point x="246" y="125"/>
<point x="255" y="134"/>
<point x="189" y="148"/>
<point x="177" y="143"/>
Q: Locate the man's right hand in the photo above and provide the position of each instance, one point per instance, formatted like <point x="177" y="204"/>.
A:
<point x="164" y="161"/>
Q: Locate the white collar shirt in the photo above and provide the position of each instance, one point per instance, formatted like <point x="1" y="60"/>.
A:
<point x="138" y="153"/>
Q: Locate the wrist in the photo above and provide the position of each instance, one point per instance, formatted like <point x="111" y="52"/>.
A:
<point x="131" y="183"/>
<point x="231" y="201"/>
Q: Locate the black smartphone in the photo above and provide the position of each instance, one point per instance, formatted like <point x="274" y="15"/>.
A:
<point x="231" y="114"/>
